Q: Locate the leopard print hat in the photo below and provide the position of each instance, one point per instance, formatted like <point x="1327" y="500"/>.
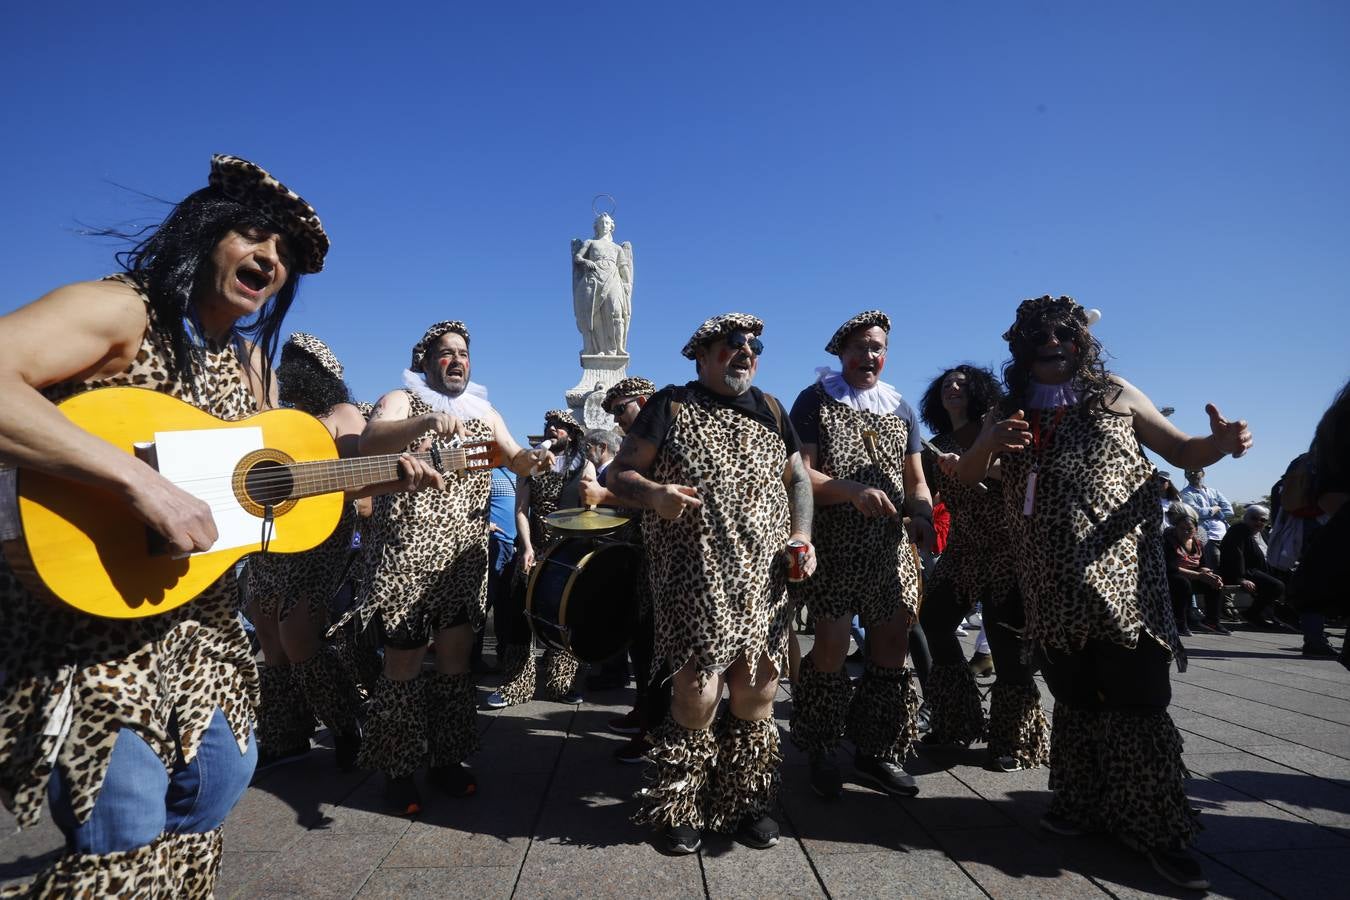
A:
<point x="636" y="386"/>
<point x="719" y="326"/>
<point x="861" y="320"/>
<point x="316" y="348"/>
<point x="250" y="184"/>
<point x="564" y="418"/>
<point x="419" y="350"/>
<point x="1038" y="310"/>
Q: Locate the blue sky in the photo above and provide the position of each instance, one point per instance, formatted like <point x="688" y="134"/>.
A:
<point x="1181" y="166"/>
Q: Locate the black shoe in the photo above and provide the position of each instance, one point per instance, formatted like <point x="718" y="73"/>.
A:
<point x="825" y="779"/>
<point x="346" y="747"/>
<point x="401" y="795"/>
<point x="681" y="840"/>
<point x="1183" y="630"/>
<point x="572" y="698"/>
<point x="1179" y="867"/>
<point x="635" y="750"/>
<point x="1216" y="628"/>
<point x="884" y="775"/>
<point x="268" y="758"/>
<point x="761" y="833"/>
<point x="456" y="780"/>
<point x="628" y="723"/>
<point x="1062" y="825"/>
<point x="925" y="717"/>
<point x="1320" y="651"/>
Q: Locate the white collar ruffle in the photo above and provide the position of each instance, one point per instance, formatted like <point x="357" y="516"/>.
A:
<point x="1051" y="396"/>
<point x="472" y="403"/>
<point x="881" y="398"/>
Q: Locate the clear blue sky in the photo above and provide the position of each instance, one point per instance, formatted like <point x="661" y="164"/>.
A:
<point x="1182" y="166"/>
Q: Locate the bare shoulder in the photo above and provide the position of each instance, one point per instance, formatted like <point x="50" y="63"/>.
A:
<point x="1127" y="398"/>
<point x="344" y="419"/>
<point x="393" y="405"/>
<point x="78" y="330"/>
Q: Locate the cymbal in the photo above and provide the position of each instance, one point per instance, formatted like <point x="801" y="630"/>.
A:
<point x="585" y="520"/>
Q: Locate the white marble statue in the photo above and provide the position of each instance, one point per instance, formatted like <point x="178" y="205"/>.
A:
<point x="602" y="290"/>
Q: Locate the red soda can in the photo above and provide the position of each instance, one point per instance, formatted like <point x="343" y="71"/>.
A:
<point x="796" y="560"/>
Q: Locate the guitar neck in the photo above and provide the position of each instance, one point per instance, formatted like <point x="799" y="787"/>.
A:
<point x="332" y="475"/>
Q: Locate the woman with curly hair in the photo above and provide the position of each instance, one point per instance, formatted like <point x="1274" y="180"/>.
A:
<point x="977" y="566"/>
<point x="1080" y="504"/>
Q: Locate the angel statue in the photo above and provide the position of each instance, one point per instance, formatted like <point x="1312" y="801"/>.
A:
<point x="602" y="290"/>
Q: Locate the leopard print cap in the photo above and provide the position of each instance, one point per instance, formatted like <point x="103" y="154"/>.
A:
<point x="564" y="418"/>
<point x="419" y="350"/>
<point x="861" y="320"/>
<point x="250" y="184"/>
<point x="636" y="386"/>
<point x="316" y="348"/>
<point x="720" y="326"/>
<point x="1037" y="310"/>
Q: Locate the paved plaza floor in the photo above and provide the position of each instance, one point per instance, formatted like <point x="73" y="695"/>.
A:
<point x="1267" y="742"/>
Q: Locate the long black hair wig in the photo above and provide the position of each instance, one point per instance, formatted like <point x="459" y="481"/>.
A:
<point x="983" y="392"/>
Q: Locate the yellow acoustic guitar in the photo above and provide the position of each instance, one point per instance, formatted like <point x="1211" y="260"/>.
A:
<point x="275" y="475"/>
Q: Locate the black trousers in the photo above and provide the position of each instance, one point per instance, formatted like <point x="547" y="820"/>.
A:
<point x="1269" y="589"/>
<point x="1003" y="622"/>
<point x="1103" y="675"/>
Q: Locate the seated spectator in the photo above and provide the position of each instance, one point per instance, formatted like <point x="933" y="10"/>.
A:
<point x="1242" y="558"/>
<point x="1214" y="511"/>
<point x="1187" y="574"/>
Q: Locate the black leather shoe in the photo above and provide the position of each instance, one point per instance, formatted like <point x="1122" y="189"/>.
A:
<point x="761" y="833"/>
<point x="681" y="840"/>
<point x="1179" y="867"/>
<point x="884" y="775"/>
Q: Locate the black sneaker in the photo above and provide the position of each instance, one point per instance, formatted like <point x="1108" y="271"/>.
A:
<point x="925" y="717"/>
<point x="345" y="748"/>
<point x="634" y="750"/>
<point x="1062" y="825"/>
<point x="884" y="775"/>
<point x="681" y="840"/>
<point x="401" y="795"/>
<point x="1179" y="867"/>
<point x="572" y="698"/>
<point x="628" y="723"/>
<point x="456" y="780"/>
<point x="825" y="779"/>
<point x="760" y="833"/>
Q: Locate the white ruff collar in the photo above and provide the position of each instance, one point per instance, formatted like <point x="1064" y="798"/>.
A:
<point x="471" y="404"/>
<point x="1051" y="396"/>
<point x="881" y="398"/>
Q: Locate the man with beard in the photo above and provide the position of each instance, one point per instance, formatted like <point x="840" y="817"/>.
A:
<point x="716" y="467"/>
<point x="861" y="441"/>
<point x="536" y="497"/>
<point x="428" y="575"/>
<point x="1081" y="505"/>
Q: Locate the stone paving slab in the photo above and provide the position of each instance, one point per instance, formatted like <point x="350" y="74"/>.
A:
<point x="1267" y="739"/>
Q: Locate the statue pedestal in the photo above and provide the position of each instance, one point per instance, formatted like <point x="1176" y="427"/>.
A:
<point x="598" y="374"/>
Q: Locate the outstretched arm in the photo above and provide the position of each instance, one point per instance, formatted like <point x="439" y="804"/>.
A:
<point x="1157" y="433"/>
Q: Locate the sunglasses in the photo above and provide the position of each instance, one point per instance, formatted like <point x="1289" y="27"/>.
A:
<point x="1061" y="333"/>
<point x="739" y="341"/>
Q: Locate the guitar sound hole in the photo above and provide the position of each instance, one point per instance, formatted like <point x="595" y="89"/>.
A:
<point x="268" y="483"/>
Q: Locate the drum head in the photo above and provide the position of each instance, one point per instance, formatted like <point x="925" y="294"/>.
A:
<point x="583" y="597"/>
<point x="585" y="521"/>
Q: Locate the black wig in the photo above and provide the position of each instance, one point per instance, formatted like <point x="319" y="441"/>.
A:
<point x="983" y="392"/>
<point x="173" y="264"/>
<point x="304" y="384"/>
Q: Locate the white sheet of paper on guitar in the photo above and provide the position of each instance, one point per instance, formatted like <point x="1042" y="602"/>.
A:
<point x="202" y="463"/>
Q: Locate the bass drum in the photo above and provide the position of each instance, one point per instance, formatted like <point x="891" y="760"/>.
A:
<point x="582" y="597"/>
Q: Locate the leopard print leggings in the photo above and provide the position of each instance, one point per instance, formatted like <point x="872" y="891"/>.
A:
<point x="954" y="698"/>
<point x="452" y="719"/>
<point x="172" y="867"/>
<point x="285" y="720"/>
<point x="682" y="761"/>
<point x="328" y="691"/>
<point x="560" y="671"/>
<point x="1017" y="725"/>
<point x="746" y="781"/>
<point x="883" y="719"/>
<point x="395" y="741"/>
<point x="820" y="702"/>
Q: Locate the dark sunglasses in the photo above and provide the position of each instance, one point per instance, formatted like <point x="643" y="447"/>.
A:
<point x="1062" y="333"/>
<point x="738" y="341"/>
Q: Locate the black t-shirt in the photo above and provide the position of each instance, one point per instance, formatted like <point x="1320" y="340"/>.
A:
<point x="654" y="422"/>
<point x="806" y="419"/>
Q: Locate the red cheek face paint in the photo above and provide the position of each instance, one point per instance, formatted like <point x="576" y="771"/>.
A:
<point x="881" y="364"/>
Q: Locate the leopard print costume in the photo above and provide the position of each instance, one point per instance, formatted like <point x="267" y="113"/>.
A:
<point x="278" y="582"/>
<point x="1017" y="725"/>
<point x="549" y="491"/>
<point x="717" y="575"/>
<point x="426" y="552"/>
<point x="173" y="867"/>
<point x="73" y="681"/>
<point x="1089" y="556"/>
<point x="863" y="565"/>
<point x="978" y="561"/>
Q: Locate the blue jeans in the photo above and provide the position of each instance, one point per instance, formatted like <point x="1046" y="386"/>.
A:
<point x="139" y="801"/>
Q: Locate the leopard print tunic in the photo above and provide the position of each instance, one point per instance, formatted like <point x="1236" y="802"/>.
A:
<point x="278" y="582"/>
<point x="73" y="681"/>
<point x="978" y="561"/>
<point x="717" y="574"/>
<point x="863" y="565"/>
<point x="426" y="552"/>
<point x="1090" y="560"/>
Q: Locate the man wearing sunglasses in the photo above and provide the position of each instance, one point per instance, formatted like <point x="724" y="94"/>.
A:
<point x="716" y="464"/>
<point x="860" y="440"/>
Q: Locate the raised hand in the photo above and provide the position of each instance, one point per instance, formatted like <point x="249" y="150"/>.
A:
<point x="1012" y="433"/>
<point x="1229" y="437"/>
